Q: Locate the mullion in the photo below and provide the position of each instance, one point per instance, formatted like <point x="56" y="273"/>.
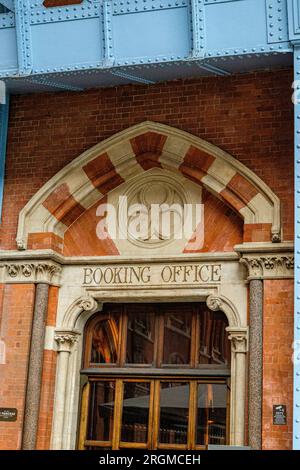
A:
<point x="160" y="337"/>
<point x="192" y="414"/>
<point x="123" y="336"/>
<point x="117" y="414"/>
<point x="194" y="338"/>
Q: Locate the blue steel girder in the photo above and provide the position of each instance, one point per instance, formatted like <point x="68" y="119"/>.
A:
<point x="296" y="408"/>
<point x="109" y="34"/>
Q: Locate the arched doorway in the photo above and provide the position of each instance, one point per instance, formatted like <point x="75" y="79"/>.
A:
<point x="158" y="377"/>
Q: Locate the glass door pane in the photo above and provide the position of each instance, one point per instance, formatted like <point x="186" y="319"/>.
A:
<point x="174" y="412"/>
<point x="177" y="337"/>
<point x="101" y="411"/>
<point x="135" y="414"/>
<point x="211" y="414"/>
<point x="105" y="340"/>
<point x="140" y="335"/>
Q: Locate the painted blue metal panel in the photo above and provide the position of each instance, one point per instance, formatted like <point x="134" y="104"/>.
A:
<point x="8" y="53"/>
<point x="4" y="110"/>
<point x="61" y="45"/>
<point x="152" y="34"/>
<point x="224" y="31"/>
<point x="296" y="411"/>
<point x="294" y="19"/>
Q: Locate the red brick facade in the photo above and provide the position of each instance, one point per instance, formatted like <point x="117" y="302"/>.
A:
<point x="249" y="116"/>
<point x="278" y="367"/>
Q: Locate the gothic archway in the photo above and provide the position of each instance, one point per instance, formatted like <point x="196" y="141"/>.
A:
<point x="132" y="152"/>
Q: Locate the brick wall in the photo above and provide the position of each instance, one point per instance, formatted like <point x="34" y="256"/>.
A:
<point x="15" y="331"/>
<point x="249" y="116"/>
<point x="278" y="367"/>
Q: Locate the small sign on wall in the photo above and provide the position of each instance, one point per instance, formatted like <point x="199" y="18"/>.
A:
<point x="279" y="415"/>
<point x="8" y="414"/>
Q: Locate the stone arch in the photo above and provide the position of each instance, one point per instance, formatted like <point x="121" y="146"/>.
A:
<point x="87" y="305"/>
<point x="131" y="152"/>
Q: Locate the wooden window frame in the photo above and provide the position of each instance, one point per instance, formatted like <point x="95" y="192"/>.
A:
<point x="156" y="373"/>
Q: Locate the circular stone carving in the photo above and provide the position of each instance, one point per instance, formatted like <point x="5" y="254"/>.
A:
<point x="149" y="205"/>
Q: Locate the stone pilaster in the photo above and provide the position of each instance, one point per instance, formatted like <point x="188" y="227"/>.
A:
<point x="239" y="348"/>
<point x="65" y="340"/>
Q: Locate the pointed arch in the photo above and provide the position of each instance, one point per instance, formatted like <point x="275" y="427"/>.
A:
<point x="131" y="152"/>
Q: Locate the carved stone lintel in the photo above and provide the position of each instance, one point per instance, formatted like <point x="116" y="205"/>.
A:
<point x="239" y="339"/>
<point x="40" y="272"/>
<point x="277" y="266"/>
<point x="65" y="340"/>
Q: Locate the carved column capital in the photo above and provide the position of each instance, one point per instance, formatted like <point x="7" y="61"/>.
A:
<point x="268" y="266"/>
<point x="47" y="272"/>
<point x="65" y="339"/>
<point x="239" y="339"/>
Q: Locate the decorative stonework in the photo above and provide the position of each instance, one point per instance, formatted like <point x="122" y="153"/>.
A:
<point x="239" y="339"/>
<point x="131" y="154"/>
<point x="87" y="304"/>
<point x="277" y="266"/>
<point x="223" y="304"/>
<point x="65" y="340"/>
<point x="168" y="193"/>
<point x="43" y="272"/>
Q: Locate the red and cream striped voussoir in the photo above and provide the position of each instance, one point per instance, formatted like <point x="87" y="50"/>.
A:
<point x="136" y="150"/>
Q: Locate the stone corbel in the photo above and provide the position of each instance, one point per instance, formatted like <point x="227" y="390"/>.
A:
<point x="220" y="302"/>
<point x="86" y="303"/>
<point x="27" y="272"/>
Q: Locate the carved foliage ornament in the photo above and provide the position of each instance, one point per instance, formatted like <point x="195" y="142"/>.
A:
<point x="65" y="340"/>
<point x="277" y="266"/>
<point x="37" y="272"/>
<point x="239" y="341"/>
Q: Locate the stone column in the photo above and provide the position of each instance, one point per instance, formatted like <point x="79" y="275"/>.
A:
<point x="255" y="363"/>
<point x="34" y="377"/>
<point x="239" y="348"/>
<point x="65" y="341"/>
